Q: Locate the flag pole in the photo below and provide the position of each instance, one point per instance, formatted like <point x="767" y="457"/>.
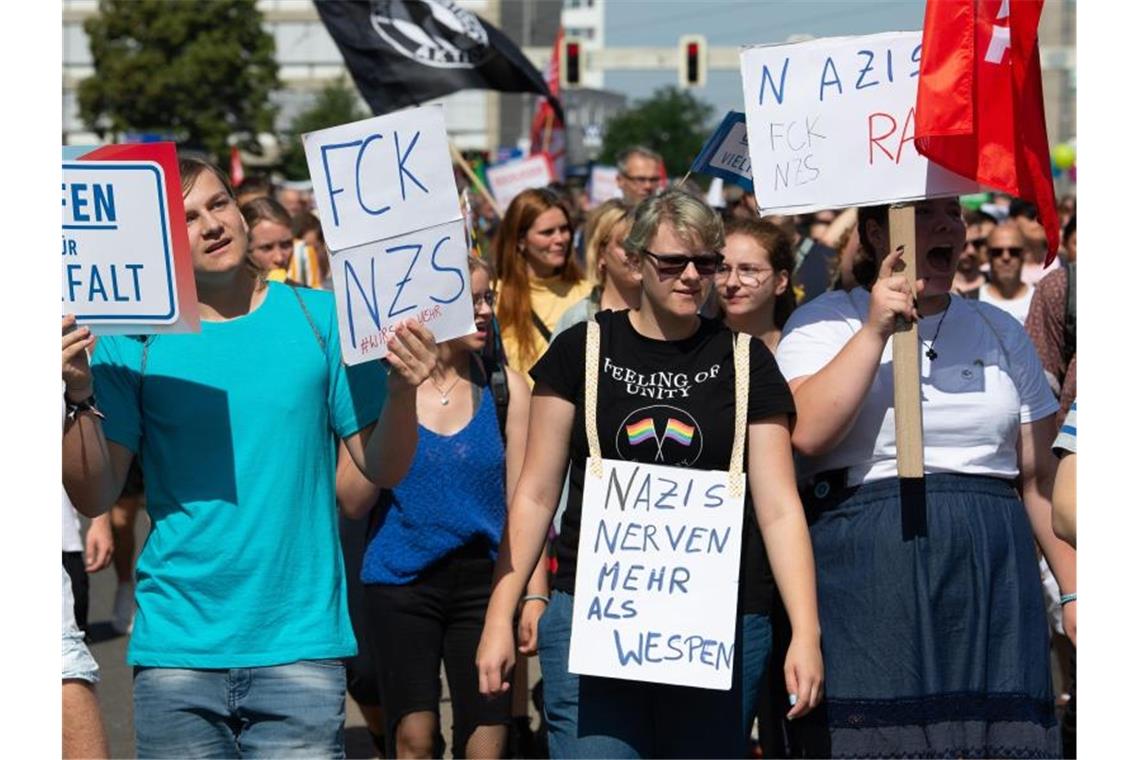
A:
<point x="908" y="399"/>
<point x="548" y="130"/>
<point x="458" y="158"/>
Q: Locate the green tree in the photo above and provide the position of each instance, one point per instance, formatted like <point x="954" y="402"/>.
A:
<point x="672" y="122"/>
<point x="201" y="69"/>
<point x="336" y="103"/>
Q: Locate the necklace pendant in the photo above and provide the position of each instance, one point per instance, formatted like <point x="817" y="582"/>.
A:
<point x="931" y="354"/>
<point x="444" y="401"/>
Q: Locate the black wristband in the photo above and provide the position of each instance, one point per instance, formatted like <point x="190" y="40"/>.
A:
<point x="86" y="405"/>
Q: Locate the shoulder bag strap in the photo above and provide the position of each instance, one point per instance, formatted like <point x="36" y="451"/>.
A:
<point x="539" y="325"/>
<point x="593" y="341"/>
<point x="740" y="355"/>
<point x="309" y="319"/>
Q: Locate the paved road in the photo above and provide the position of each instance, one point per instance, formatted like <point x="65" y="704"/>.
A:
<point x="109" y="649"/>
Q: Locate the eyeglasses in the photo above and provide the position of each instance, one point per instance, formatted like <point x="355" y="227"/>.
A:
<point x="748" y="274"/>
<point x="487" y="297"/>
<point x="674" y="264"/>
<point x="651" y="180"/>
<point x="996" y="252"/>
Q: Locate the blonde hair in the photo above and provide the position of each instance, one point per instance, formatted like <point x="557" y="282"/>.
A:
<point x="690" y="217"/>
<point x="600" y="226"/>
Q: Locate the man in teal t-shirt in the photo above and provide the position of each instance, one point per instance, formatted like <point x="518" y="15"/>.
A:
<point x="242" y="617"/>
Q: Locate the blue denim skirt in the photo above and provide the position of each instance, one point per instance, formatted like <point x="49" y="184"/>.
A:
<point x="935" y="638"/>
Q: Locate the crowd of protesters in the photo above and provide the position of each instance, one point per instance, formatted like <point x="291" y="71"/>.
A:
<point x="318" y="529"/>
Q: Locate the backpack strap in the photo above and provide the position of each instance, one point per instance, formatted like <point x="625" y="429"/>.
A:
<point x="1069" y="349"/>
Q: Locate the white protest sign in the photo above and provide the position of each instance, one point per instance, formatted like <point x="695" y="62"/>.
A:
<point x="382" y="177"/>
<point x="831" y="124"/>
<point x="603" y="184"/>
<point x="126" y="255"/>
<point x="421" y="275"/>
<point x="509" y="179"/>
<point x="658" y="571"/>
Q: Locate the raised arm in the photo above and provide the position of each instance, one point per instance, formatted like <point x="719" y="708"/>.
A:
<point x="1038" y="467"/>
<point x="772" y="481"/>
<point x="528" y="519"/>
<point x="94" y="471"/>
<point x="828" y="402"/>
<point x="384" y="452"/>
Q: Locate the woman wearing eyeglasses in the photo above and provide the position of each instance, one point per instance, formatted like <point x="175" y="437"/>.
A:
<point x="659" y="365"/>
<point x="427" y="567"/>
<point x="934" y="627"/>
<point x="539" y="278"/>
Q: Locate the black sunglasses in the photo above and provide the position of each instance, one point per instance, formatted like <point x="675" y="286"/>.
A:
<point x="673" y="264"/>
<point x="997" y="251"/>
<point x="979" y="243"/>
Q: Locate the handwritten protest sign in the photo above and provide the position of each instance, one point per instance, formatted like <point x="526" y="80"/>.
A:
<point x="509" y="179"/>
<point x="421" y="275"/>
<point x="382" y="177"/>
<point x="725" y="154"/>
<point x="126" y="255"/>
<point x="831" y="124"/>
<point x="391" y="215"/>
<point x="657" y="578"/>
<point x="603" y="184"/>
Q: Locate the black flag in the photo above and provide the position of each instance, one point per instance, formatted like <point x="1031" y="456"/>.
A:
<point x="405" y="52"/>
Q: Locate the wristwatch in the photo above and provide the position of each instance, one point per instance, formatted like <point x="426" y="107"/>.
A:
<point x="86" y="405"/>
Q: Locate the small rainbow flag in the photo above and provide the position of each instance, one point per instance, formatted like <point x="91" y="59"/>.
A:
<point x="680" y="432"/>
<point x="640" y="432"/>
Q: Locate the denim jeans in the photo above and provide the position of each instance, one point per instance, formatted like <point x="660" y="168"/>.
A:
<point x="294" y="710"/>
<point x="607" y="717"/>
<point x="757" y="649"/>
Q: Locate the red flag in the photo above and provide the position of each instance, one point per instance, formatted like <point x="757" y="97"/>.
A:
<point x="980" y="112"/>
<point x="547" y="132"/>
<point x="237" y="172"/>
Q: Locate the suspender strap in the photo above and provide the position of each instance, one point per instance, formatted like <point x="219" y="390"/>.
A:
<point x="593" y="339"/>
<point x="740" y="357"/>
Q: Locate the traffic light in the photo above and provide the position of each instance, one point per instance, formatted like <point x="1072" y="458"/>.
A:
<point x="572" y="54"/>
<point x="693" y="60"/>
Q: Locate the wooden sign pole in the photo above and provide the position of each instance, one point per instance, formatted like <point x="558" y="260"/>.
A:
<point x="458" y="158"/>
<point x="904" y="347"/>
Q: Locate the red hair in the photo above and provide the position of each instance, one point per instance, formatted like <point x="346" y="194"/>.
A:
<point x="514" y="308"/>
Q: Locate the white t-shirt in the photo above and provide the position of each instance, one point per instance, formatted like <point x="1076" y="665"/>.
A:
<point x="1018" y="308"/>
<point x="985" y="383"/>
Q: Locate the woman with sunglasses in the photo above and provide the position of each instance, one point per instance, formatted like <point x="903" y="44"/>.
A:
<point x="539" y="278"/>
<point x="427" y="567"/>
<point x="934" y="626"/>
<point x="662" y="360"/>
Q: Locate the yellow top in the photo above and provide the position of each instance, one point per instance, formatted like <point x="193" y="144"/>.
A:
<point x="549" y="298"/>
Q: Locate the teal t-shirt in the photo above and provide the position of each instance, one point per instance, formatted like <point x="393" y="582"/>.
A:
<point x="236" y="428"/>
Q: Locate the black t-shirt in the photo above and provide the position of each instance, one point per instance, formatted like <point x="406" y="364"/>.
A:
<point x="691" y="380"/>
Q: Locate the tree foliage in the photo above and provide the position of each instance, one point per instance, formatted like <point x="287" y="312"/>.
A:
<point x="336" y="103"/>
<point x="199" y="69"/>
<point x="672" y="122"/>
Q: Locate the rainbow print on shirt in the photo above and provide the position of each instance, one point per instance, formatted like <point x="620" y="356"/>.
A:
<point x="675" y="430"/>
<point x="640" y="432"/>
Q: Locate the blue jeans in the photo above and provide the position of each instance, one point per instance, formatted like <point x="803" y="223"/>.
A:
<point x="607" y="717"/>
<point x="294" y="710"/>
<point x="757" y="648"/>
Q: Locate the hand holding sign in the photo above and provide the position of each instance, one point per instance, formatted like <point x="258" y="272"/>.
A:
<point x="76" y="367"/>
<point x="412" y="353"/>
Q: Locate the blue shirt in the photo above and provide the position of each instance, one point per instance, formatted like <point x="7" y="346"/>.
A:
<point x="453" y="495"/>
<point x="236" y="432"/>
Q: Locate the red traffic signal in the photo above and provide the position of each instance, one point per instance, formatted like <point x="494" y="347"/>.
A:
<point x="693" y="60"/>
<point x="570" y="72"/>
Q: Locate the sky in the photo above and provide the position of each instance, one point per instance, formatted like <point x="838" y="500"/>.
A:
<point x="655" y="23"/>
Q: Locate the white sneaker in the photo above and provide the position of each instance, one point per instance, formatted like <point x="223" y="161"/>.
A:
<point x="123" y="612"/>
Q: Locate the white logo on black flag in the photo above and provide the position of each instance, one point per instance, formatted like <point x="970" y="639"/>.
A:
<point x="405" y="52"/>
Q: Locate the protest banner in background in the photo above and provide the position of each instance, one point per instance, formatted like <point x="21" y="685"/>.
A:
<point x="391" y="217"/>
<point x="509" y="179"/>
<point x="658" y="570"/>
<point x="603" y="184"/>
<point x="831" y="124"/>
<point x="126" y="255"/>
<point x="725" y="154"/>
<point x="382" y="177"/>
